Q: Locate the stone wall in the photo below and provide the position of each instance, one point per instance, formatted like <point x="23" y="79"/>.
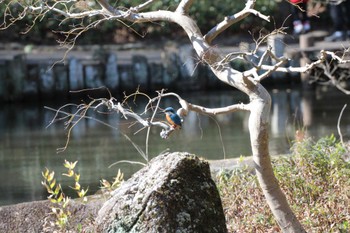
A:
<point x="44" y="72"/>
<point x="28" y="76"/>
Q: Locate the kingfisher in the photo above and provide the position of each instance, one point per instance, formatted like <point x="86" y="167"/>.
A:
<point x="173" y="118"/>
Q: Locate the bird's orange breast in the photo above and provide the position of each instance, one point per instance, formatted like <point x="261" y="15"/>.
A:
<point x="168" y="118"/>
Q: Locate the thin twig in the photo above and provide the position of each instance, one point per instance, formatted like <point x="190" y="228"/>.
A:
<point x="149" y="128"/>
<point x="127" y="161"/>
<point x="338" y="125"/>
<point x="220" y="136"/>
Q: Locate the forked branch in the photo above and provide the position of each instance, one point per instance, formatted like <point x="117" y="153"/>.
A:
<point x="112" y="105"/>
<point x="233" y="19"/>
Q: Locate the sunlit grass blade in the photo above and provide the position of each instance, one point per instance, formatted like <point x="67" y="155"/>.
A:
<point x="127" y="161"/>
<point x="144" y="156"/>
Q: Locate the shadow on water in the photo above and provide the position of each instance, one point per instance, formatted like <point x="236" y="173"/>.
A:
<point x="27" y="146"/>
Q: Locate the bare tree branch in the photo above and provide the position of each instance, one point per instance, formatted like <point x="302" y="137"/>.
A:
<point x="143" y="6"/>
<point x="332" y="78"/>
<point x="72" y="119"/>
<point x="246" y="81"/>
<point x="217" y="111"/>
<point x="184" y="6"/>
<point x="43" y="9"/>
<point x="186" y="107"/>
<point x="338" y="126"/>
<point x="230" y="20"/>
<point x="108" y="8"/>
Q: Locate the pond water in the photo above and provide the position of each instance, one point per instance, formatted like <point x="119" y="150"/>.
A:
<point x="27" y="146"/>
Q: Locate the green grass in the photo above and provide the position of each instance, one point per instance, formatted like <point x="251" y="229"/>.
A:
<point x="315" y="179"/>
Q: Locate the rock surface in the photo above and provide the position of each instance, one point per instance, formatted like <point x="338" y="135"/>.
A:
<point x="36" y="216"/>
<point x="174" y="193"/>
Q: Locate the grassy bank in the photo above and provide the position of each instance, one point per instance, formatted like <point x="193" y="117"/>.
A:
<point x="316" y="180"/>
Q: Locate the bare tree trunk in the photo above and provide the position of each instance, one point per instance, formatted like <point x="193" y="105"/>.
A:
<point x="247" y="81"/>
<point x="260" y="104"/>
<point x="258" y="128"/>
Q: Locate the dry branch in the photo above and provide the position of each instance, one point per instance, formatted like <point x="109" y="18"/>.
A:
<point x="247" y="81"/>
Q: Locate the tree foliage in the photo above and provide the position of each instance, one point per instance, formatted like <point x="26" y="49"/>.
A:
<point x="206" y="13"/>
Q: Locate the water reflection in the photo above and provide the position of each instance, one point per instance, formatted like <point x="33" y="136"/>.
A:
<point x="27" y="146"/>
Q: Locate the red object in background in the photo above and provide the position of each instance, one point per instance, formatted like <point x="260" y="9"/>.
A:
<point x="298" y="1"/>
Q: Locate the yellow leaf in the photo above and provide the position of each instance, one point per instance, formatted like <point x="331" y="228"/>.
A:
<point x="77" y="177"/>
<point x="66" y="164"/>
<point x="57" y="189"/>
<point x="49" y="190"/>
<point x="82" y="192"/>
<point x="60" y="198"/>
<point x="105" y="183"/>
<point x="69" y="174"/>
<point x="50" y="176"/>
<point x="65" y="203"/>
<point x="46" y="186"/>
<point x="77" y="186"/>
<point x="53" y="200"/>
<point x="69" y="165"/>
<point x="46" y="173"/>
<point x="120" y="175"/>
<point x="73" y="165"/>
<point x="53" y="183"/>
<point x="118" y="179"/>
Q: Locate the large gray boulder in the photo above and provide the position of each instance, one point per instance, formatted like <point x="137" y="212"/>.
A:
<point x="174" y="193"/>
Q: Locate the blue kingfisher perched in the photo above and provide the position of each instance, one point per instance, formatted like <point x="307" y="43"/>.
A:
<point x="173" y="118"/>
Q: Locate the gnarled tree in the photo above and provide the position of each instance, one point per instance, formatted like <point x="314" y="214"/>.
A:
<point x="96" y="12"/>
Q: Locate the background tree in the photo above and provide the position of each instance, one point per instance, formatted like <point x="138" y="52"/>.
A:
<point x="205" y="13"/>
<point x="85" y="15"/>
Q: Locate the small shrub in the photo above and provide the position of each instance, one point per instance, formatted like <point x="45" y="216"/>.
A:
<point x="106" y="186"/>
<point x="315" y="179"/>
<point x="58" y="197"/>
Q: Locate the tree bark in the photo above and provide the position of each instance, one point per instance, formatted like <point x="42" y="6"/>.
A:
<point x="247" y="82"/>
<point x="260" y="104"/>
<point x="259" y="137"/>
